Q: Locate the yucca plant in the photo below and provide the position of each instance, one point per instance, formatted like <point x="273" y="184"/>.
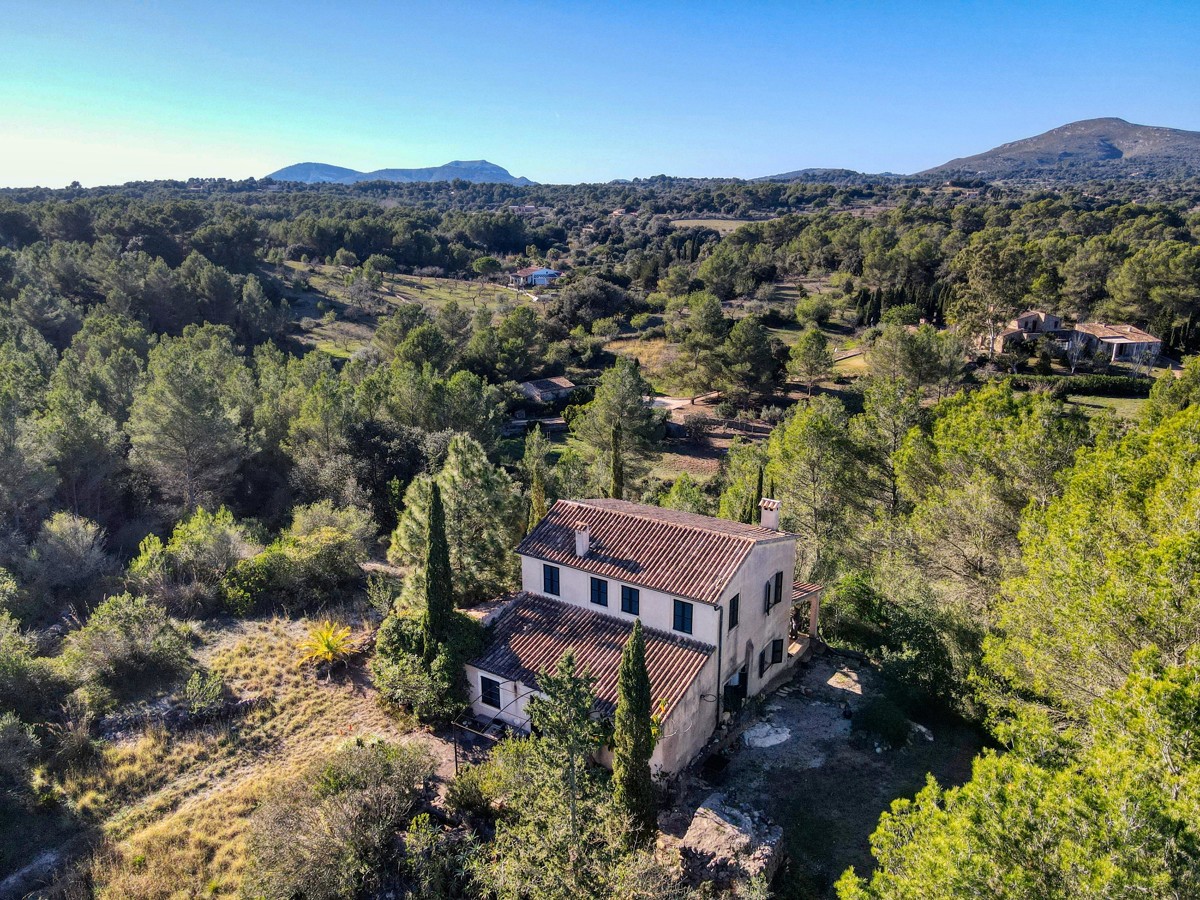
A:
<point x="327" y="645"/>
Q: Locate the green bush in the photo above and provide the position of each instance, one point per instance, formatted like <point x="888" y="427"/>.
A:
<point x="126" y="638"/>
<point x="883" y="719"/>
<point x="470" y="792"/>
<point x="433" y="693"/>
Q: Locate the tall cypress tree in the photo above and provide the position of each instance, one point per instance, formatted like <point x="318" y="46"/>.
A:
<point x="633" y="741"/>
<point x="752" y="508"/>
<point x="617" y="474"/>
<point x="439" y="589"/>
<point x="537" y="500"/>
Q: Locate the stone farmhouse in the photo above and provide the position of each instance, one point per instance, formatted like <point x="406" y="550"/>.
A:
<point x="1029" y="325"/>
<point x="723" y="619"/>
<point x="1121" y="343"/>
<point x="547" y="390"/>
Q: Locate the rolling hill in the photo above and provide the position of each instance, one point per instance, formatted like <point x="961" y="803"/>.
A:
<point x="479" y="171"/>
<point x="1092" y="148"/>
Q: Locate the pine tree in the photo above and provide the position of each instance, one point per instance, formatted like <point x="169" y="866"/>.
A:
<point x="617" y="479"/>
<point x="439" y="591"/>
<point x="633" y="741"/>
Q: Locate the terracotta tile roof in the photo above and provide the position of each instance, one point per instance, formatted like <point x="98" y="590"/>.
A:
<point x="533" y="632"/>
<point x="1117" y="333"/>
<point x="802" y="589"/>
<point x="678" y="553"/>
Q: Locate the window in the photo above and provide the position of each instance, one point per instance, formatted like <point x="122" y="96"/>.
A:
<point x="631" y="600"/>
<point x="770" y="656"/>
<point x="600" y="592"/>
<point x="550" y="579"/>
<point x="735" y="603"/>
<point x="683" y="617"/>
<point x="489" y="692"/>
<point x="772" y="592"/>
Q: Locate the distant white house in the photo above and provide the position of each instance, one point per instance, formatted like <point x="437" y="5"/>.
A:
<point x="722" y="617"/>
<point x="534" y="276"/>
<point x="1121" y="343"/>
<point x="547" y="390"/>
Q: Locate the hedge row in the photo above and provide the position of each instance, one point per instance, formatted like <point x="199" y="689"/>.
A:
<point x="1096" y="385"/>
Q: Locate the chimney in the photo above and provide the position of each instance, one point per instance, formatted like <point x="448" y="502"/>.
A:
<point x="583" y="539"/>
<point x="770" y="513"/>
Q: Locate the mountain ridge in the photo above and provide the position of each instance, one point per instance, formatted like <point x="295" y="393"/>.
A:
<point x="1100" y="147"/>
<point x="479" y="171"/>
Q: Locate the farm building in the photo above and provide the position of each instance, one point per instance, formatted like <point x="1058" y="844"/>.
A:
<point x="534" y="276"/>
<point x="1122" y="343"/>
<point x="547" y="390"/>
<point x="715" y="598"/>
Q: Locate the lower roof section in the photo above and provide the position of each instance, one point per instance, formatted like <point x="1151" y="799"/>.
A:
<point x="533" y="632"/>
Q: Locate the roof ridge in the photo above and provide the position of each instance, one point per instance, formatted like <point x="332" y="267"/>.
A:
<point x="638" y="514"/>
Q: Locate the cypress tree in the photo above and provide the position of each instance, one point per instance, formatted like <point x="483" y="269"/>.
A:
<point x="537" y="500"/>
<point x="439" y="590"/>
<point x="617" y="474"/>
<point x="633" y="741"/>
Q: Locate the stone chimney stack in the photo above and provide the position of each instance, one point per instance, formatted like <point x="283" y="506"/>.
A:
<point x="583" y="539"/>
<point x="770" y="513"/>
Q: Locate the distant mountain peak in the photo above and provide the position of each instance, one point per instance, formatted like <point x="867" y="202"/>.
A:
<point x="1090" y="148"/>
<point x="479" y="171"/>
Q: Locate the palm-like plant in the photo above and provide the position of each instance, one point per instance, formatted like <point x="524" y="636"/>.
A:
<point x="327" y="644"/>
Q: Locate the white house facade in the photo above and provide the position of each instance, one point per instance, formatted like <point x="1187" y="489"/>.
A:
<point x="714" y="596"/>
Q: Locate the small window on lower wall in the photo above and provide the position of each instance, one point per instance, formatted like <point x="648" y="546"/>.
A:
<point x="489" y="692"/>
<point x="683" y="617"/>
<point x="770" y="656"/>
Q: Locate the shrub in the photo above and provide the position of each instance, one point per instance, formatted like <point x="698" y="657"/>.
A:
<point x="204" y="693"/>
<point x="29" y="685"/>
<point x="884" y="719"/>
<point x="185" y="573"/>
<point x="813" y="310"/>
<point x="470" y="793"/>
<point x="436" y="693"/>
<point x="125" y="639"/>
<point x="1097" y="385"/>
<point x="301" y="569"/>
<point x="67" y="561"/>
<point x="331" y="832"/>
<point x="641" y="321"/>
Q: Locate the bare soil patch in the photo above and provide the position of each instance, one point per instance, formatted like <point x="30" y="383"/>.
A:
<point x="804" y="766"/>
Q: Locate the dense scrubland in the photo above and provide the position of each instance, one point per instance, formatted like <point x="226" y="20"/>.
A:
<point x="256" y="457"/>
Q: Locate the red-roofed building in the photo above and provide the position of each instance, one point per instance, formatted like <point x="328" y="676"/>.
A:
<point x="716" y="598"/>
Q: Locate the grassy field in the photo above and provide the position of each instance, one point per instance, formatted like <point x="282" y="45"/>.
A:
<point x="331" y="326"/>
<point x="1124" y="407"/>
<point x="173" y="808"/>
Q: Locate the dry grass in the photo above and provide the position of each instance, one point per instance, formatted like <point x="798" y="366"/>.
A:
<point x="655" y="355"/>
<point x="174" y="808"/>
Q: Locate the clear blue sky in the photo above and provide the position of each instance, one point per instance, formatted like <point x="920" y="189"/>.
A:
<point x="106" y="92"/>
